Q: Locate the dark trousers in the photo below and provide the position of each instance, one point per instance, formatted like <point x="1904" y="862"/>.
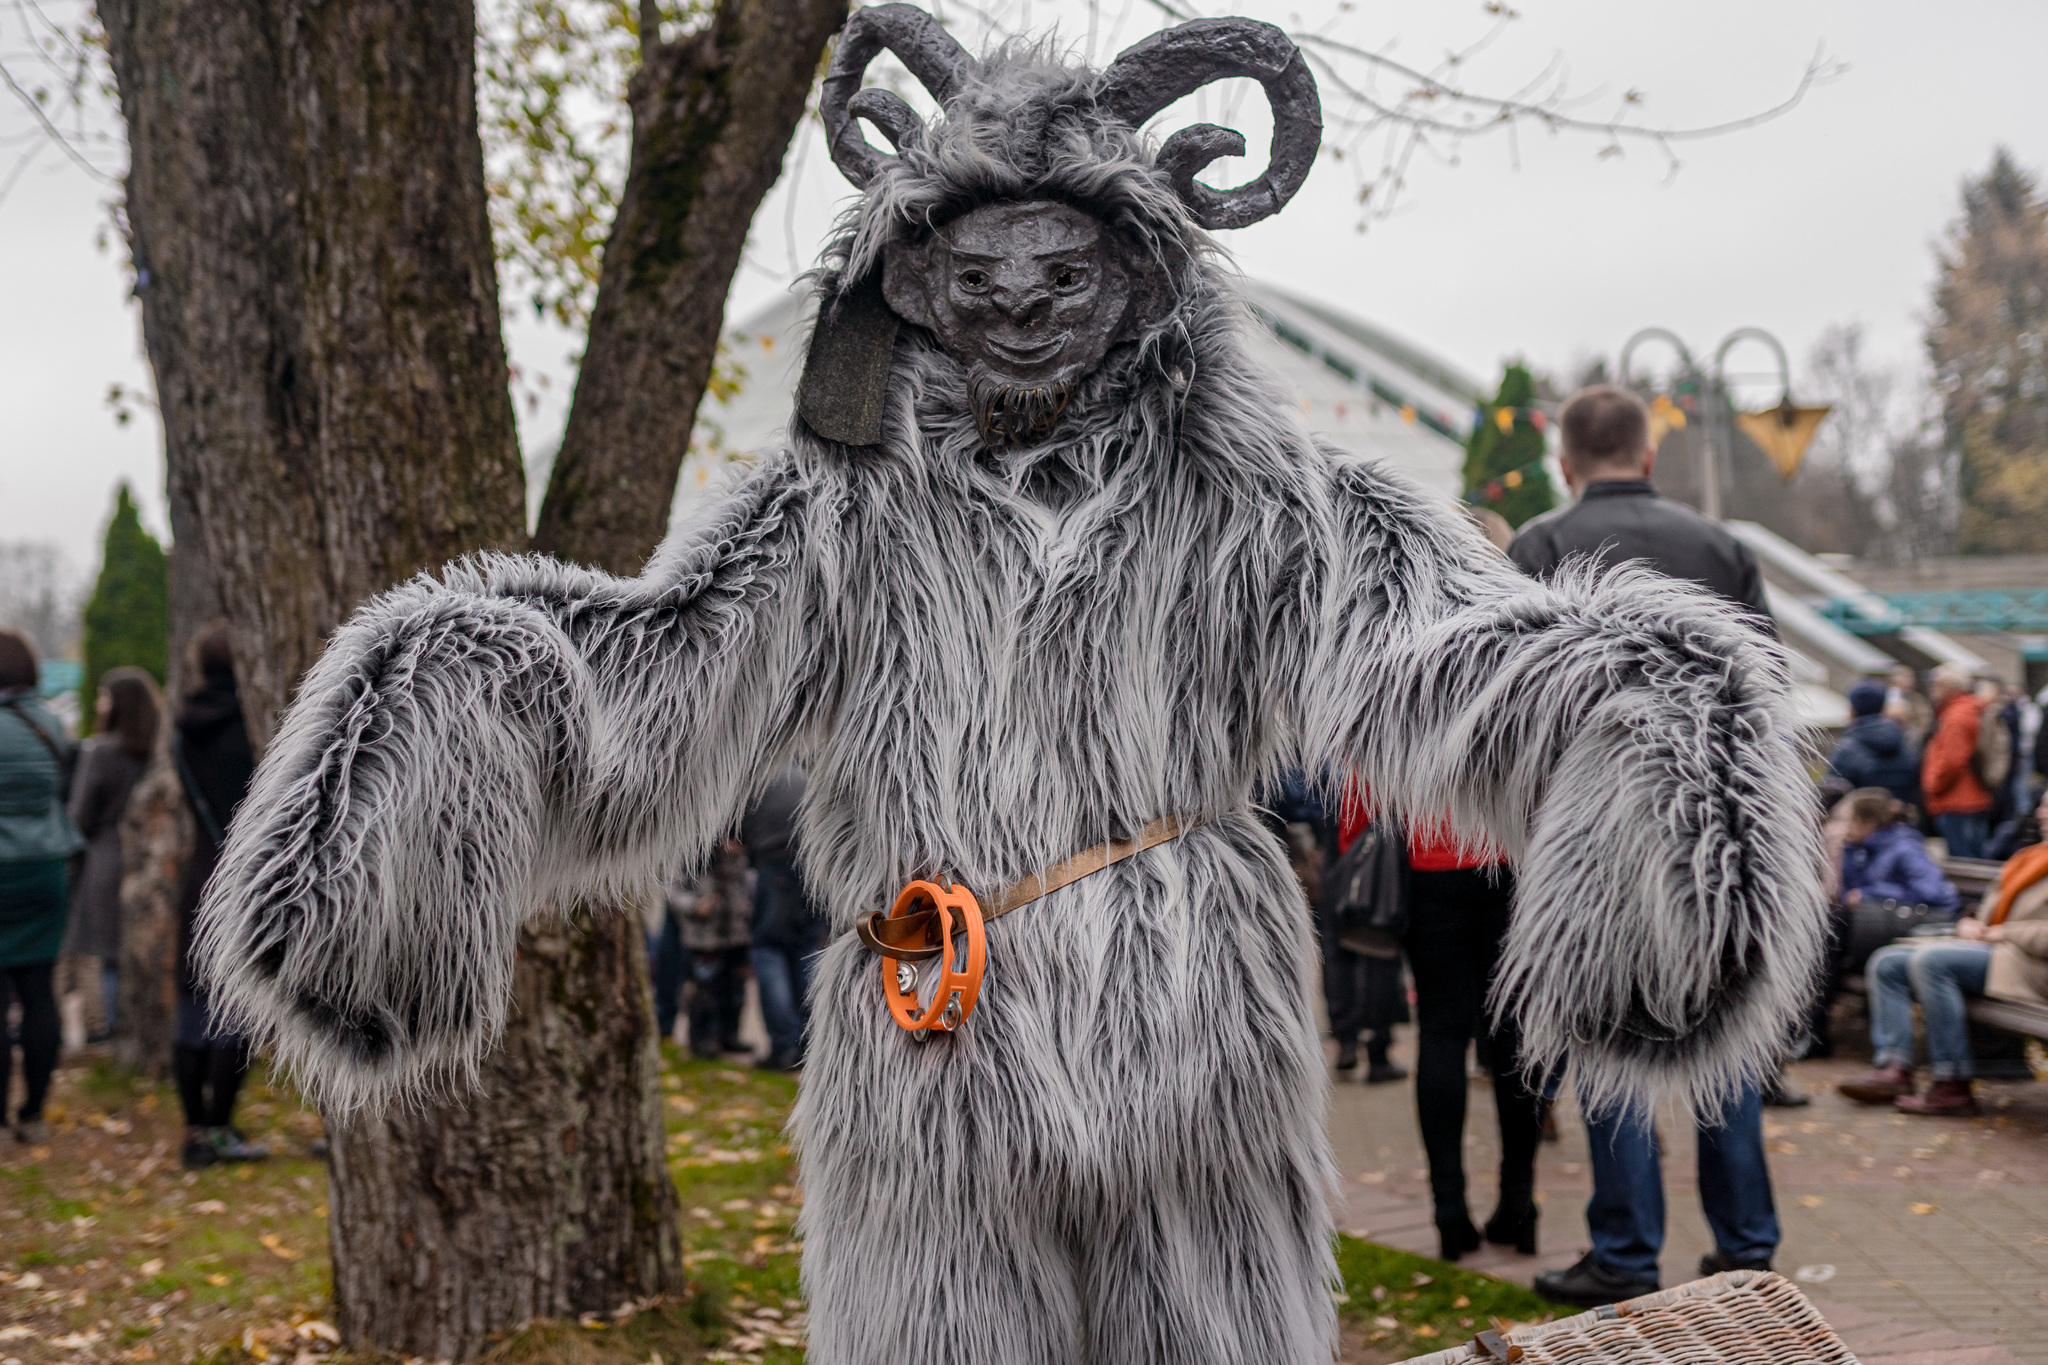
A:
<point x="1362" y="992"/>
<point x="1456" y="923"/>
<point x="718" y="980"/>
<point x="784" y="977"/>
<point x="1964" y="834"/>
<point x="1625" y="1217"/>
<point x="208" y="1063"/>
<point x="34" y="987"/>
<point x="665" y="964"/>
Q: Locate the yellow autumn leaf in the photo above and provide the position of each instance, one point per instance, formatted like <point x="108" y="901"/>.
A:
<point x="1925" y="1208"/>
<point x="217" y="1280"/>
<point x="276" y="1247"/>
<point x="1425" y="1330"/>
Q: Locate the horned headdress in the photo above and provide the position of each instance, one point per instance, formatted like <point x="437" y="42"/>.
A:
<point x="1030" y="133"/>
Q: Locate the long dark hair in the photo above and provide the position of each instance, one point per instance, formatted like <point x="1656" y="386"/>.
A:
<point x="17" y="660"/>
<point x="133" y="713"/>
<point x="210" y="657"/>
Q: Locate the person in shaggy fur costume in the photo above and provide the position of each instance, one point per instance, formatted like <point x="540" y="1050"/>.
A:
<point x="1046" y="560"/>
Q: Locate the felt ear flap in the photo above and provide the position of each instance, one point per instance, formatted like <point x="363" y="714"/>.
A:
<point x="1153" y="297"/>
<point x="846" y="373"/>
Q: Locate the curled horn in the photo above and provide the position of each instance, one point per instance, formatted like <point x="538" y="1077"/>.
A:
<point x="932" y="55"/>
<point x="1178" y="61"/>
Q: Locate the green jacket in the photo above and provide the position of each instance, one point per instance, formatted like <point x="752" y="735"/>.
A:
<point x="33" y="822"/>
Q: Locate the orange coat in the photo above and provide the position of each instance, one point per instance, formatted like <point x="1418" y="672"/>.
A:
<point x="1948" y="784"/>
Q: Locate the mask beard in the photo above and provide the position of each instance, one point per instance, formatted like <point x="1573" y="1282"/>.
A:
<point x="1007" y="413"/>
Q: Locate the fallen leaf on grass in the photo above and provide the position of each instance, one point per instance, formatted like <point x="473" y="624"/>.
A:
<point x="1425" y="1330"/>
<point x="316" y="1328"/>
<point x="1461" y="1302"/>
<point x="218" y="1281"/>
<point x="16" y="1333"/>
<point x="76" y="1341"/>
<point x="150" y="1267"/>
<point x="209" y="1206"/>
<point x="276" y="1247"/>
<point x="1388" y="1323"/>
<point x="1421" y="1279"/>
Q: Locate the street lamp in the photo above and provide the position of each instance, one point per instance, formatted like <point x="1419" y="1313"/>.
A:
<point x="1782" y="431"/>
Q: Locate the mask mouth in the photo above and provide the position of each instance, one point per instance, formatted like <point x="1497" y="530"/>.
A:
<point x="1036" y="353"/>
<point x="1011" y="413"/>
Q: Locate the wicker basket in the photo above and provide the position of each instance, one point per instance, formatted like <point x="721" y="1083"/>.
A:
<point x="1745" y="1317"/>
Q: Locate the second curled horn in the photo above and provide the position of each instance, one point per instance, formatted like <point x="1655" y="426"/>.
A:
<point x="1145" y="79"/>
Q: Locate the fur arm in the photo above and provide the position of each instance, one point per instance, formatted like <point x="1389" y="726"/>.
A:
<point x="471" y="750"/>
<point x="1624" y="740"/>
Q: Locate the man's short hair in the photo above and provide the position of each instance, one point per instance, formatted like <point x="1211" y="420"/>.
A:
<point x="1604" y="425"/>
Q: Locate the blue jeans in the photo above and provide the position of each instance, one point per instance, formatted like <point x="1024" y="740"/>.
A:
<point x="784" y="978"/>
<point x="1939" y="976"/>
<point x="1626" y="1213"/>
<point x="1964" y="834"/>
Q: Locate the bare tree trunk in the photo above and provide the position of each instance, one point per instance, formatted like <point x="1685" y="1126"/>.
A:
<point x="482" y="1214"/>
<point x="712" y="117"/>
<point x="319" y="301"/>
<point x="306" y="204"/>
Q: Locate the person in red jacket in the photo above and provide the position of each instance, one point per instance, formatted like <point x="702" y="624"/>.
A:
<point x="1949" y="786"/>
<point x="1458" y="915"/>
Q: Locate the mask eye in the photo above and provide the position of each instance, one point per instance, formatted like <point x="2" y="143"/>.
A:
<point x="1069" y="279"/>
<point x="974" y="281"/>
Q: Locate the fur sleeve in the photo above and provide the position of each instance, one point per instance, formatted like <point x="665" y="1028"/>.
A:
<point x="1625" y="740"/>
<point x="471" y="750"/>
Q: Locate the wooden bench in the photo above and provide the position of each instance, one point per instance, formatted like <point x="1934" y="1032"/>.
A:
<point x="1973" y="879"/>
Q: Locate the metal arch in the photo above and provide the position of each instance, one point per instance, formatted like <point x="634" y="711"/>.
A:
<point x="1655" y="334"/>
<point x="1752" y="334"/>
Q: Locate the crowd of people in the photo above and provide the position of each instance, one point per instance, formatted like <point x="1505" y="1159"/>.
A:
<point x="1956" y="761"/>
<point x="62" y="861"/>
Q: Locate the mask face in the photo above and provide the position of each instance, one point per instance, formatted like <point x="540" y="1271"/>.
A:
<point x="1029" y="297"/>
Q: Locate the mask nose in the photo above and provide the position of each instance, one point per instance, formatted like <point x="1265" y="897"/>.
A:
<point x="1023" y="305"/>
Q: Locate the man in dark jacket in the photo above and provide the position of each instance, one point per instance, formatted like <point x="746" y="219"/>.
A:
<point x="1874" y="751"/>
<point x="1619" y="519"/>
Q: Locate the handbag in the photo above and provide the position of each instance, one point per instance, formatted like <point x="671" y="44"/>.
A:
<point x="1367" y="890"/>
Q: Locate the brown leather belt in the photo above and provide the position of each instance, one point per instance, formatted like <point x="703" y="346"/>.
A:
<point x="904" y="937"/>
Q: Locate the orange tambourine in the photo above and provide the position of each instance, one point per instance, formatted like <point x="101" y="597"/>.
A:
<point x="922" y="926"/>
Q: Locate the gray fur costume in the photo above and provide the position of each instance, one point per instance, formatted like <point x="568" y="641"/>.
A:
<point x="989" y="654"/>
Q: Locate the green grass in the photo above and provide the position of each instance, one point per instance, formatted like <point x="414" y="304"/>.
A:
<point x="1415" y="1304"/>
<point x="120" y="1241"/>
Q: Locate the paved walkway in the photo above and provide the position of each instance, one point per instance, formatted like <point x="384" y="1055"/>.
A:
<point x="1924" y="1241"/>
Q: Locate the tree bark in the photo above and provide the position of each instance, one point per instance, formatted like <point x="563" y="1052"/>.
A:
<point x="306" y="207"/>
<point x="713" y="113"/>
<point x="306" y="203"/>
<point x="548" y="1195"/>
<point x="319" y="300"/>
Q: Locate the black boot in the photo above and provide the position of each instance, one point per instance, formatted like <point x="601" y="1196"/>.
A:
<point x="1347" y="1054"/>
<point x="1718" y="1262"/>
<point x="1514" y="1225"/>
<point x="1588" y="1284"/>
<point x="1456" y="1236"/>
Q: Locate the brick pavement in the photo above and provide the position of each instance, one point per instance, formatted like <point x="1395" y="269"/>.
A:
<point x="1922" y="1240"/>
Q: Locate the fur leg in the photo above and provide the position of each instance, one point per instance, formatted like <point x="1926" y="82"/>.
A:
<point x="1120" y="1158"/>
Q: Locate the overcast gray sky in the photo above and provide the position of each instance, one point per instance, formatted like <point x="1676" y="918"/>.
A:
<point x="1830" y="214"/>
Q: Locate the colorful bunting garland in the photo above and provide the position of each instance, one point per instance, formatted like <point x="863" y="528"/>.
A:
<point x="1497" y="488"/>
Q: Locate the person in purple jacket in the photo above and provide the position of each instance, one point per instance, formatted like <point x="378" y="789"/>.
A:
<point x="1885" y="860"/>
